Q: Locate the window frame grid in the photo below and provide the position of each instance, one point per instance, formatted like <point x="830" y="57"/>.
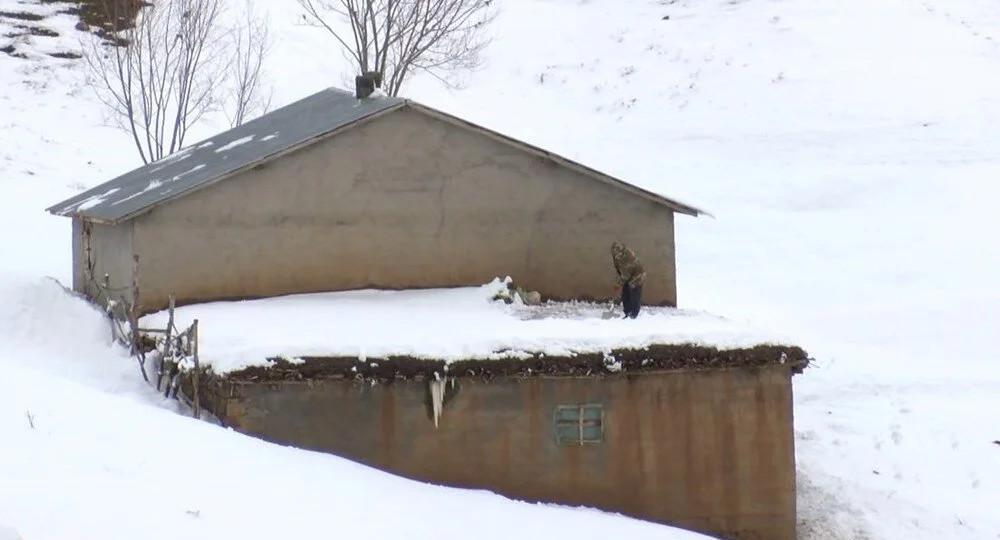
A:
<point x="579" y="420"/>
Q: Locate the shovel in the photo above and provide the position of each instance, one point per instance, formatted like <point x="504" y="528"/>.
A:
<point x="610" y="312"/>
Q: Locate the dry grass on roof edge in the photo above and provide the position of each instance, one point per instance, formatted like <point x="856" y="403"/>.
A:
<point x="682" y="356"/>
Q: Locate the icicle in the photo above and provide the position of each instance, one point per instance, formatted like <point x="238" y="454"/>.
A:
<point x="437" y="387"/>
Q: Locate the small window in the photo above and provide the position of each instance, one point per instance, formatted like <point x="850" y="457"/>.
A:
<point x="579" y="424"/>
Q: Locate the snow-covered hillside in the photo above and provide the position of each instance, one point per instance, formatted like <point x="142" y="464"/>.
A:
<point x="85" y="456"/>
<point x="849" y="150"/>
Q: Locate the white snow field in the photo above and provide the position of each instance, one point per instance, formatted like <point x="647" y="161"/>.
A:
<point x="372" y="323"/>
<point x="85" y="455"/>
<point x="848" y="149"/>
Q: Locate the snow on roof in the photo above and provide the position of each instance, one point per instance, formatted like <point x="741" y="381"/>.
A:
<point x="96" y="199"/>
<point x="435" y="324"/>
<point x="200" y="163"/>
<point x="234" y="144"/>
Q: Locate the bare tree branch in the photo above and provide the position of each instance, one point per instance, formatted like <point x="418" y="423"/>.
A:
<point x="316" y="13"/>
<point x="250" y="41"/>
<point x="443" y="38"/>
<point x="172" y="67"/>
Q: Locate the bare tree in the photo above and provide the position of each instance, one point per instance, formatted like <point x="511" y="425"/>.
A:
<point x="398" y="37"/>
<point x="167" y="70"/>
<point x="251" y="42"/>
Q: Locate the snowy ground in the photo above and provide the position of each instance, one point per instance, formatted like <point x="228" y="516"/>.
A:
<point x="372" y="323"/>
<point x="88" y="458"/>
<point x="849" y="151"/>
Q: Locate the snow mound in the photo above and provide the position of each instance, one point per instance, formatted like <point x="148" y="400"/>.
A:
<point x="45" y="316"/>
<point x="50" y="329"/>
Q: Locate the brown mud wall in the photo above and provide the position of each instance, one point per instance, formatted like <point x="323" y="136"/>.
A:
<point x="709" y="450"/>
<point x="401" y="201"/>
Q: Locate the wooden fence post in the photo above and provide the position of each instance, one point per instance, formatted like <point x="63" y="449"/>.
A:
<point x="167" y="356"/>
<point x="108" y="308"/>
<point x="133" y="314"/>
<point x="170" y="315"/>
<point x="197" y="369"/>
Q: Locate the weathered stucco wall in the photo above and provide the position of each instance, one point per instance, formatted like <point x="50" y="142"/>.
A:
<point x="79" y="279"/>
<point x="404" y="201"/>
<point x="711" y="451"/>
<point x="110" y="250"/>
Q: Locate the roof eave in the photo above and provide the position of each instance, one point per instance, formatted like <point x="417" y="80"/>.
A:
<point x="58" y="211"/>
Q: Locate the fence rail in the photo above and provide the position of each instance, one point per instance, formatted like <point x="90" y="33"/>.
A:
<point x="173" y="351"/>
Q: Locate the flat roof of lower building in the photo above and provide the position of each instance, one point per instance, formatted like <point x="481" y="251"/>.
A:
<point x="461" y="332"/>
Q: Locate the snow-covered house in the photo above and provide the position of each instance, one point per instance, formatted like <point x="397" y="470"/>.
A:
<point x="334" y="193"/>
<point x="678" y="416"/>
<point x="546" y="403"/>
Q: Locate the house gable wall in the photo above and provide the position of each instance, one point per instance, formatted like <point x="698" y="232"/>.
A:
<point x="109" y="249"/>
<point x="402" y="201"/>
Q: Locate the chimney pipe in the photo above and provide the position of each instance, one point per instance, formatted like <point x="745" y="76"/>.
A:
<point x="363" y="86"/>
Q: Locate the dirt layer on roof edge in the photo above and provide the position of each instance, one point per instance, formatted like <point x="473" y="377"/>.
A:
<point x="652" y="358"/>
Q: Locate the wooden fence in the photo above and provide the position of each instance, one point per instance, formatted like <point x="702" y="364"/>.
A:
<point x="174" y="353"/>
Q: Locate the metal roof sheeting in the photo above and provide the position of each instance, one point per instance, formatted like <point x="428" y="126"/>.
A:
<point x="198" y="164"/>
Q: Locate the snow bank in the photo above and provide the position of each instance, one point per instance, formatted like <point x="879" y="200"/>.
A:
<point x="84" y="439"/>
<point x="44" y="316"/>
<point x="49" y="329"/>
<point x="88" y="464"/>
<point x="442" y="324"/>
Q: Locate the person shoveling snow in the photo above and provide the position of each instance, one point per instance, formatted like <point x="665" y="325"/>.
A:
<point x="631" y="276"/>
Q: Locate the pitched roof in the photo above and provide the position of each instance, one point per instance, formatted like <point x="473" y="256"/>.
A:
<point x="262" y="139"/>
<point x="199" y="164"/>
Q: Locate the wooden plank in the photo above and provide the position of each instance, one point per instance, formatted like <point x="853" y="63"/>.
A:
<point x="197" y="369"/>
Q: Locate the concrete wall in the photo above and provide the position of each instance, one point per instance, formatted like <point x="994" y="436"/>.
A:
<point x="708" y="451"/>
<point x="404" y="201"/>
<point x="79" y="278"/>
<point x="110" y="249"/>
